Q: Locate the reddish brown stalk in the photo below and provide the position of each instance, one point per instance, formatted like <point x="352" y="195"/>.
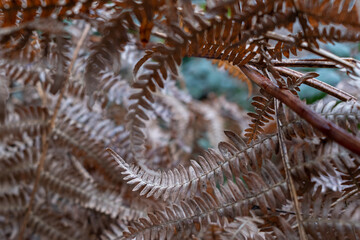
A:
<point x="328" y="128"/>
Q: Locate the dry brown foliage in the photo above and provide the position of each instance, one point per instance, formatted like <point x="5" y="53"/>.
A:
<point x="98" y="141"/>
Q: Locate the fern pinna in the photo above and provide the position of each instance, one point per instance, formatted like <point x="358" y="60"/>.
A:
<point x="100" y="138"/>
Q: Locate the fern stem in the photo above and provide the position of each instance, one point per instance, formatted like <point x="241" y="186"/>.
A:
<point x="317" y="84"/>
<point x="287" y="167"/>
<point x="309" y="63"/>
<point x="50" y="128"/>
<point x="328" y="128"/>
<point x="304" y="45"/>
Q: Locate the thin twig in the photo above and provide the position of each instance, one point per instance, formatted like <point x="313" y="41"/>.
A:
<point x="42" y="93"/>
<point x="328" y="128"/>
<point x="313" y="82"/>
<point x="304" y="45"/>
<point x="287" y="167"/>
<point x="310" y="63"/>
<point x="50" y="128"/>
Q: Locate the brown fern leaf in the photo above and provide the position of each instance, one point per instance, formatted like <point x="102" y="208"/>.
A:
<point x="311" y="161"/>
<point x="111" y="90"/>
<point x="293" y="84"/>
<point x="181" y="181"/>
<point x="232" y="199"/>
<point x="350" y="173"/>
<point x="15" y="12"/>
<point x="251" y="8"/>
<point x="264" y="108"/>
<point x="328" y="34"/>
<point x="162" y="57"/>
<point x="21" y="168"/>
<point x="27" y="46"/>
<point x="59" y="59"/>
<point x="234" y="54"/>
<point x="268" y="23"/>
<point x="32" y="70"/>
<point x="342" y="220"/>
<point x="90" y="151"/>
<point x="114" y="232"/>
<point x="23" y="40"/>
<point x="13" y="204"/>
<point x="50" y="224"/>
<point x="89" y="196"/>
<point x="284" y="231"/>
<point x="4" y="95"/>
<point x="243" y="228"/>
<point x="284" y="49"/>
<point x="74" y="112"/>
<point x="32" y="120"/>
<point x="242" y="56"/>
<point x="103" y="53"/>
<point x="25" y="74"/>
<point x="251" y="19"/>
<point x="343" y="12"/>
<point x="213" y="231"/>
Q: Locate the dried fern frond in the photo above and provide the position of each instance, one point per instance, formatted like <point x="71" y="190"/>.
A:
<point x="348" y="166"/>
<point x="264" y="107"/>
<point x="89" y="149"/>
<point x="102" y="53"/>
<point x="21" y="168"/>
<point x="30" y="10"/>
<point x="181" y="180"/>
<point x="31" y="70"/>
<point x="4" y="94"/>
<point x="185" y="217"/>
<point x="57" y="181"/>
<point x="51" y="225"/>
<point x="341" y="221"/>
<point x="343" y="12"/>
<point x="31" y="120"/>
<point x="328" y="34"/>
<point x="176" y="183"/>
<point x="243" y="228"/>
